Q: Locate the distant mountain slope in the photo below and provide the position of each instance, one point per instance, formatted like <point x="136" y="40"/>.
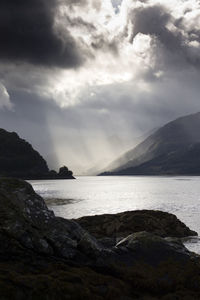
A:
<point x="173" y="149"/>
<point x="19" y="159"/>
<point x="124" y="157"/>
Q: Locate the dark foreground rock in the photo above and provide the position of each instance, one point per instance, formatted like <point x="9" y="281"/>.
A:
<point x="122" y="224"/>
<point x="46" y="257"/>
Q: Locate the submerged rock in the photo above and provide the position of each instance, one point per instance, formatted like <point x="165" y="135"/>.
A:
<point x="46" y="257"/>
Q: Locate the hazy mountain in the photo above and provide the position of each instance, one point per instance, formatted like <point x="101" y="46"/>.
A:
<point x="127" y="156"/>
<point x="19" y="159"/>
<point x="116" y="154"/>
<point x="172" y="149"/>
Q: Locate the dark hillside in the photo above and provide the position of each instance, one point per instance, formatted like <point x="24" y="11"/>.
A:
<point x="19" y="159"/>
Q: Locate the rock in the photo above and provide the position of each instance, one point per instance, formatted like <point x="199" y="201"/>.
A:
<point x="69" y="239"/>
<point x="89" y="245"/>
<point x="107" y="242"/>
<point x="153" y="249"/>
<point x="122" y="224"/>
<point x="46" y="257"/>
<point x="26" y="218"/>
<point x="20" y="202"/>
<point x="22" y="214"/>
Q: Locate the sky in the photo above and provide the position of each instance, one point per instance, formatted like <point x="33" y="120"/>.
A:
<point x="85" y="80"/>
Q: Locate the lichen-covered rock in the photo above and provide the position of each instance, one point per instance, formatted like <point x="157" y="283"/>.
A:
<point x="122" y="224"/>
<point x="22" y="214"/>
<point x="19" y="199"/>
<point x="26" y="219"/>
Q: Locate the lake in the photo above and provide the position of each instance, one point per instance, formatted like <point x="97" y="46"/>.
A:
<point x="87" y="195"/>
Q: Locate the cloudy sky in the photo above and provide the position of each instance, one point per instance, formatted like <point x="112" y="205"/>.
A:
<point x="84" y="80"/>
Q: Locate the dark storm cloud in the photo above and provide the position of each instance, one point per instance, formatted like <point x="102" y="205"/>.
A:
<point x="154" y="20"/>
<point x="27" y="34"/>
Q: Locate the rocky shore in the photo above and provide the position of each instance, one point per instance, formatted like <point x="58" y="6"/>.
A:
<point x="131" y="255"/>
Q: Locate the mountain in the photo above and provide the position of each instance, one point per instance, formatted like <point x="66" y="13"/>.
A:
<point x="104" y="164"/>
<point x="125" y="157"/>
<point x="174" y="149"/>
<point x="19" y="159"/>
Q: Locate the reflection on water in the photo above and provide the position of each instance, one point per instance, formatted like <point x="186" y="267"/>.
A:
<point x="98" y="195"/>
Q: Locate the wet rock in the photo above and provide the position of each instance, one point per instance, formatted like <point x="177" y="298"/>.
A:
<point x="89" y="245"/>
<point x="107" y="242"/>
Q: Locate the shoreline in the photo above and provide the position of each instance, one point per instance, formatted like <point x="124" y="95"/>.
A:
<point x="128" y="255"/>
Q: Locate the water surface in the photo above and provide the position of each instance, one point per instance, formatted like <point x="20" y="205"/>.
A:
<point x="111" y="194"/>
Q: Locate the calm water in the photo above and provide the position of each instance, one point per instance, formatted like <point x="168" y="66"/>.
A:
<point x="98" y="195"/>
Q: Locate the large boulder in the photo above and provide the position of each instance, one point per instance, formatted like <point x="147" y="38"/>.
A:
<point x="122" y="224"/>
<point x="153" y="249"/>
<point x="28" y="222"/>
<point x="22" y="214"/>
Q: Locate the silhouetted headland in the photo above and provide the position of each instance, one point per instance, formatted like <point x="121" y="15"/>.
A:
<point x="19" y="159"/>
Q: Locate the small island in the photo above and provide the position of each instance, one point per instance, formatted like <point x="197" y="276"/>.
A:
<point x="131" y="255"/>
